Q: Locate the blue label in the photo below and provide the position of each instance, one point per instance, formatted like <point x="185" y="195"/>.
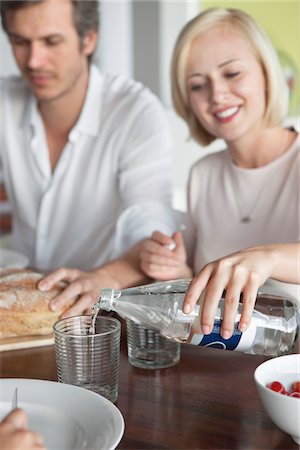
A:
<point x="215" y="340"/>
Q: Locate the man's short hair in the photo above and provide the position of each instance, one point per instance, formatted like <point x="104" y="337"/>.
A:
<point x="85" y="13"/>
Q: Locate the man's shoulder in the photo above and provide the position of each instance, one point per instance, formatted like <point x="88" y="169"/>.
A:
<point x="14" y="87"/>
<point x="119" y="88"/>
<point x="128" y="103"/>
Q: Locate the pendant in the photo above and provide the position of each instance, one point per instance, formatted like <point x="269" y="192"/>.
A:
<point x="246" y="219"/>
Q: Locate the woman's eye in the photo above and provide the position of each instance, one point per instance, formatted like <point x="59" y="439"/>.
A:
<point x="232" y="74"/>
<point x="196" y="87"/>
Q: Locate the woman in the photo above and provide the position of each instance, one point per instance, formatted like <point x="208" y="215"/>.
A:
<point x="227" y="83"/>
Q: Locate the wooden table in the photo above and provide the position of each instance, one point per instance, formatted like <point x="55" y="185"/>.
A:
<point x="208" y="401"/>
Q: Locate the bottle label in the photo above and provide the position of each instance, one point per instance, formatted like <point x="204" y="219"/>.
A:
<point x="238" y="341"/>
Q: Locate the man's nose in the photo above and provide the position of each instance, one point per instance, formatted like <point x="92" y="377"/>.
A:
<point x="36" y="56"/>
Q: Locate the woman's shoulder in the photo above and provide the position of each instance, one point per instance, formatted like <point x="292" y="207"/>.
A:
<point x="214" y="161"/>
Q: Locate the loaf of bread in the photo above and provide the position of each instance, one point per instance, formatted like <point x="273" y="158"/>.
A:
<point x="25" y="310"/>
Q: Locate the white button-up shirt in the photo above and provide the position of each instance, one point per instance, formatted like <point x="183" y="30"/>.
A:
<point x="111" y="186"/>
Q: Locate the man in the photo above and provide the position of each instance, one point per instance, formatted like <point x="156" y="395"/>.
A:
<point x="86" y="157"/>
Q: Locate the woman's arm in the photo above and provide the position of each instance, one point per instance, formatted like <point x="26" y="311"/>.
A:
<point x="241" y="272"/>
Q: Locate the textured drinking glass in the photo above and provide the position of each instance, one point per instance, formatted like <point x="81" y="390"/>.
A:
<point x="89" y="360"/>
<point x="147" y="349"/>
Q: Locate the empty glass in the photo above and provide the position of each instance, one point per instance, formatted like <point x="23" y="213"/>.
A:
<point x="147" y="349"/>
<point x="89" y="360"/>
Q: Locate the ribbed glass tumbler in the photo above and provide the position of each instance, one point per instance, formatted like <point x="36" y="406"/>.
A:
<point x="89" y="360"/>
<point x="147" y="349"/>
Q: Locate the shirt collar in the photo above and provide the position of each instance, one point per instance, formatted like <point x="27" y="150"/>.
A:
<point x="89" y="119"/>
<point x="30" y="113"/>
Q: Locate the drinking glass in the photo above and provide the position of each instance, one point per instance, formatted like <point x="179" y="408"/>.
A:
<point x="89" y="360"/>
<point x="147" y="349"/>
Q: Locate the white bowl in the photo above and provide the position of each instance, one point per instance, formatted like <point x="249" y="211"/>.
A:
<point x="282" y="409"/>
<point x="10" y="259"/>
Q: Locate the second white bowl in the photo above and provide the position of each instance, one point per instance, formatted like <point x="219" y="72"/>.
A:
<point x="283" y="410"/>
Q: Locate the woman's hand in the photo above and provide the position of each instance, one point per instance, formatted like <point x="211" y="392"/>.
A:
<point x="243" y="273"/>
<point x="164" y="258"/>
<point x="14" y="434"/>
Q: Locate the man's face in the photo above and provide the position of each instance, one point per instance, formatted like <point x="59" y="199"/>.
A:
<point x="47" y="48"/>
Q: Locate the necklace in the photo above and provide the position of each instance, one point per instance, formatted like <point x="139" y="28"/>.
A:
<point x="246" y="217"/>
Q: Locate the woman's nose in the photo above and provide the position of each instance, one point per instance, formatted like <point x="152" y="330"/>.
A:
<point x="219" y="91"/>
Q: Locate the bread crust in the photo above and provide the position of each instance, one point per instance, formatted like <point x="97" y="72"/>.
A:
<point x="24" y="309"/>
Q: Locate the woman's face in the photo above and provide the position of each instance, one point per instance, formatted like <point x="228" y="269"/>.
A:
<point x="225" y="84"/>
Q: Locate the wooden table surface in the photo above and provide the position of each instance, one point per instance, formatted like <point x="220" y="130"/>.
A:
<point x="208" y="401"/>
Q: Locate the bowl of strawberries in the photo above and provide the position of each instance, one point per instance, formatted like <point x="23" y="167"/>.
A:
<point x="278" y="384"/>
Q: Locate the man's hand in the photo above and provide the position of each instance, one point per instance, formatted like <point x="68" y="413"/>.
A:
<point x="82" y="290"/>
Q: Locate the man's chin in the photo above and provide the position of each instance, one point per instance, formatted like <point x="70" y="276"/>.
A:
<point x="44" y="98"/>
<point x="43" y="95"/>
<point x="41" y="92"/>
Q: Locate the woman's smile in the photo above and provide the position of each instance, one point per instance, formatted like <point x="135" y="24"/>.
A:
<point x="227" y="114"/>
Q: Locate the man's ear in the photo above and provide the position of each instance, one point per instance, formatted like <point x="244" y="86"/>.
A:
<point x="90" y="42"/>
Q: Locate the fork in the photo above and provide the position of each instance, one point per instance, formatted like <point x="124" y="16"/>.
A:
<point x="14" y="402"/>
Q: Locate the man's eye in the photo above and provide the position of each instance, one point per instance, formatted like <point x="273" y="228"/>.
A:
<point x="18" y="41"/>
<point x="53" y="41"/>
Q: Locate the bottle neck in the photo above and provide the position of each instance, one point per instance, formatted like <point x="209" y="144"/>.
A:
<point x="106" y="299"/>
<point x="107" y="295"/>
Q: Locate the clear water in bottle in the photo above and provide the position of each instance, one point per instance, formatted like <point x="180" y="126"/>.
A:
<point x="276" y="326"/>
<point x="273" y="329"/>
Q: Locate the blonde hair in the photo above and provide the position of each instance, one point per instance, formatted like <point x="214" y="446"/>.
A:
<point x="277" y="90"/>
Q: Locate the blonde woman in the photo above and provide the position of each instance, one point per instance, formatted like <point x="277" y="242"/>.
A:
<point x="227" y="83"/>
